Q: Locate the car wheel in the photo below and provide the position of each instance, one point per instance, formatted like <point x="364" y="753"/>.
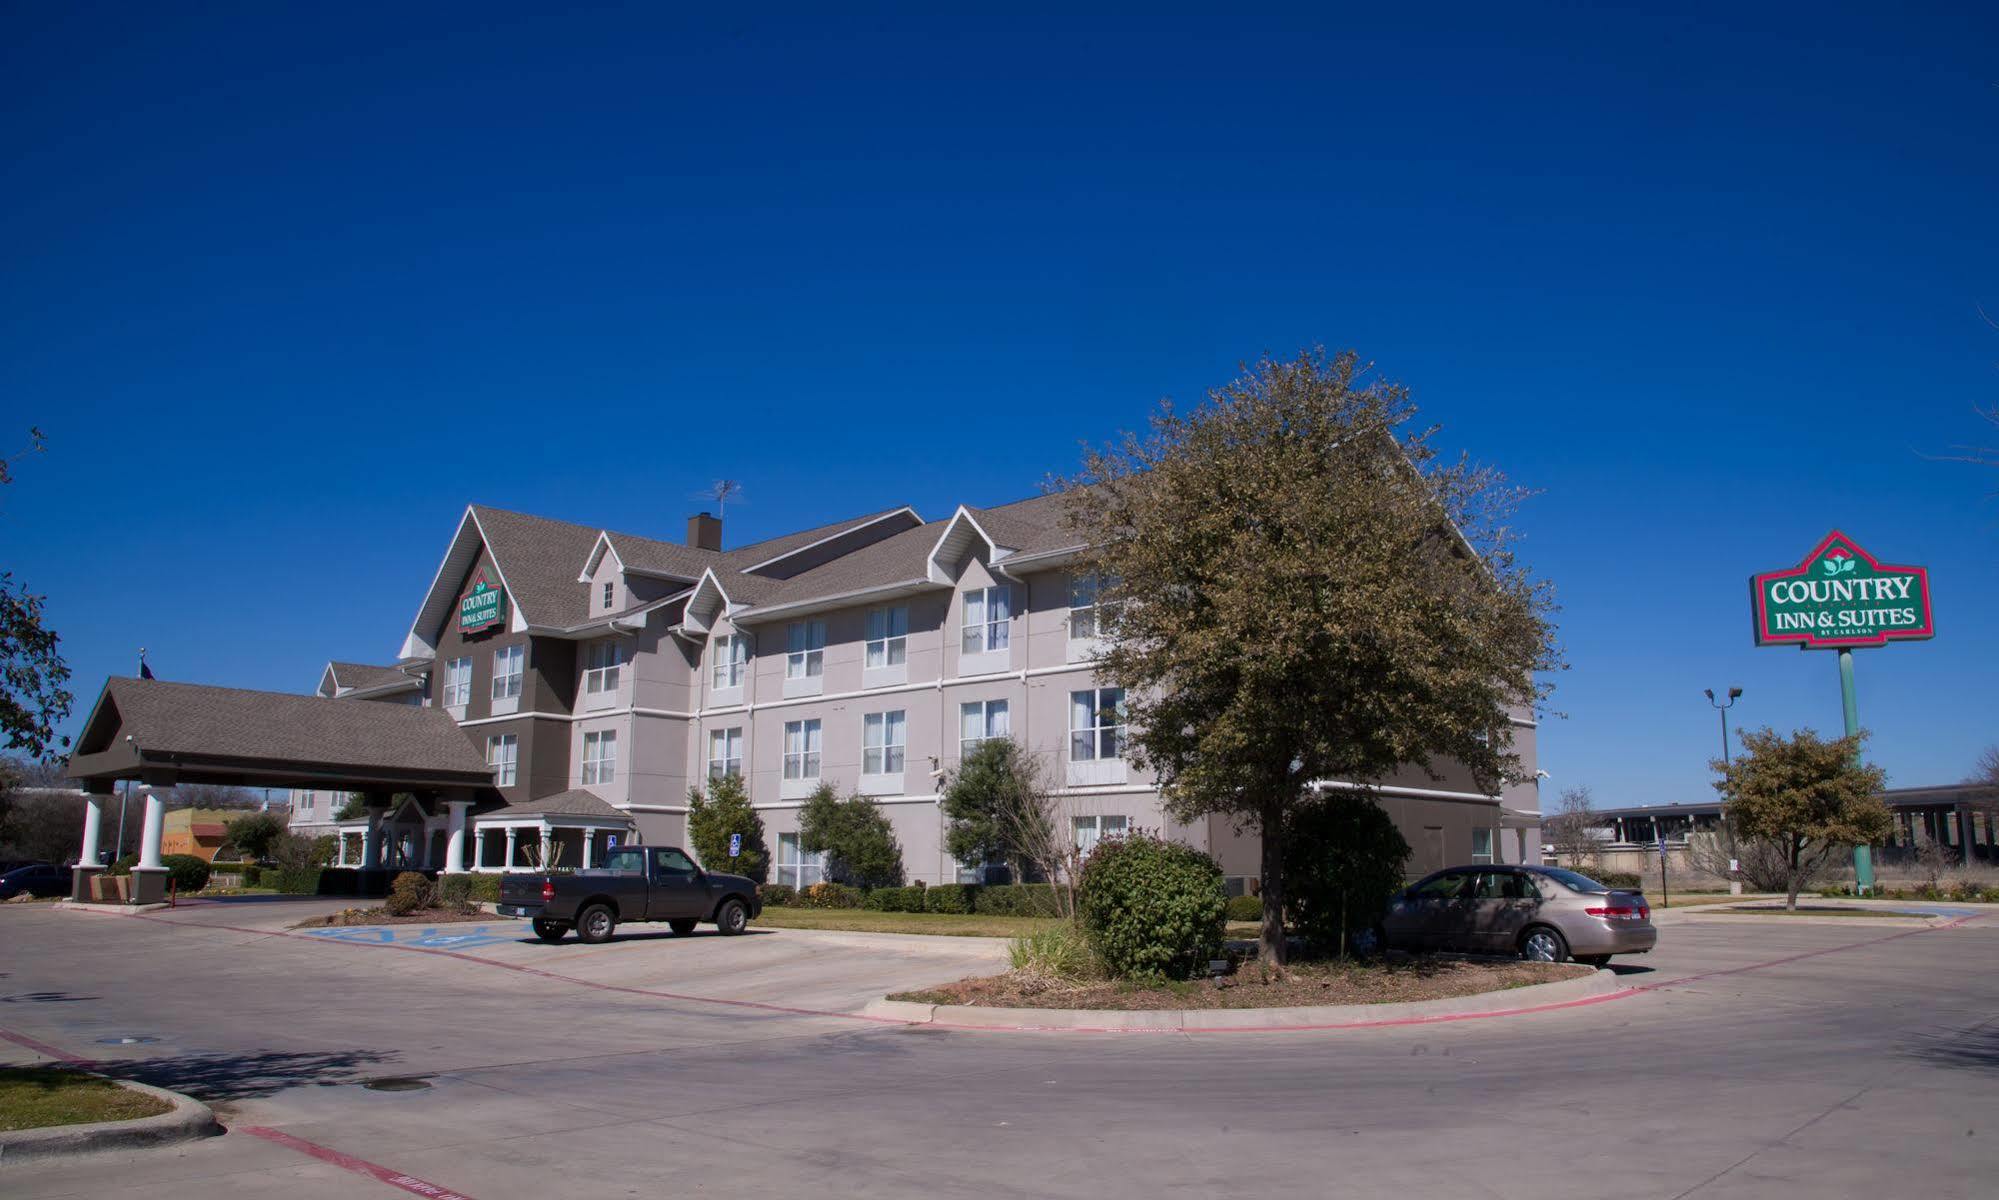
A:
<point x="595" y="923"/>
<point x="1542" y="944"/>
<point x="549" y="931"/>
<point x="682" y="925"/>
<point x="1594" y="960"/>
<point x="732" y="918"/>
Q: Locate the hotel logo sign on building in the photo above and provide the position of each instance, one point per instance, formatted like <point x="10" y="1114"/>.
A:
<point x="1841" y="597"/>
<point x="483" y="606"/>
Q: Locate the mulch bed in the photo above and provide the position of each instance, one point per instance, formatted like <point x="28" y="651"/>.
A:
<point x="381" y="916"/>
<point x="1393" y="981"/>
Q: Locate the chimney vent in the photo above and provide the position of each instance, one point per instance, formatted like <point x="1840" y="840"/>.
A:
<point x="704" y="532"/>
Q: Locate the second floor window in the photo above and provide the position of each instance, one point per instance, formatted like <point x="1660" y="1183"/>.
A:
<point x="883" y="739"/>
<point x="503" y="754"/>
<point x="725" y="752"/>
<point x="507" y="664"/>
<point x="805" y="650"/>
<point x="986" y="613"/>
<point x="801" y="749"/>
<point x="457" y="682"/>
<point x="601" y="673"/>
<point x="608" y="593"/>
<point x="979" y="721"/>
<point x="1086" y="607"/>
<point x="1096" y="724"/>
<point x="732" y="660"/>
<point x="600" y="756"/>
<point x="888" y="638"/>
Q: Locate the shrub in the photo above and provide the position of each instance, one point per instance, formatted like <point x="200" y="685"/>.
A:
<point x="1967" y="891"/>
<point x="1017" y="900"/>
<point x="1059" y="953"/>
<point x="856" y="837"/>
<point x="724" y="809"/>
<point x="123" y="866"/>
<point x="950" y="898"/>
<point x="462" y="890"/>
<point x="1245" y="908"/>
<point x="296" y="881"/>
<point x="778" y="895"/>
<point x="1152" y="908"/>
<point x="895" y="899"/>
<point x="1622" y="880"/>
<point x="409" y="893"/>
<point x="254" y="834"/>
<point x="1343" y="858"/>
<point x="253" y="875"/>
<point x="829" y="895"/>
<point x="189" y="874"/>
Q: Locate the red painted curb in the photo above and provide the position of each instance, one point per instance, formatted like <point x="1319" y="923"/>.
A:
<point x="360" y="1166"/>
<point x="44" y="1049"/>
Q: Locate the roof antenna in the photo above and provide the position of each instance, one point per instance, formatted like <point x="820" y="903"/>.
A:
<point x="720" y="491"/>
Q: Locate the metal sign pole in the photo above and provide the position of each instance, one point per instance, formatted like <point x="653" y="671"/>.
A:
<point x="1863" y="856"/>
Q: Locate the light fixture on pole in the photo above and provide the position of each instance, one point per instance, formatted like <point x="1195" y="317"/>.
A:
<point x="1722" y="707"/>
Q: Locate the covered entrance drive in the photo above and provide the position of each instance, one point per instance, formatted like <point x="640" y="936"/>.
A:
<point x="160" y="734"/>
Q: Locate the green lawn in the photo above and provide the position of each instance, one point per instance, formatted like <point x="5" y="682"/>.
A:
<point x="860" y="920"/>
<point x="37" y="1097"/>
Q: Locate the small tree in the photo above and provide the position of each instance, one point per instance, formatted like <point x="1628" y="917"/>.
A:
<point x="1811" y="796"/>
<point x="1293" y="589"/>
<point x="856" y="837"/>
<point x="355" y="807"/>
<point x="1001" y="809"/>
<point x="1343" y="858"/>
<point x="33" y="700"/>
<point x="253" y="834"/>
<point x="712" y="816"/>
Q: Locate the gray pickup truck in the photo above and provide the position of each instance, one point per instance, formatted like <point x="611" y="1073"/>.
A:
<point x="636" y="883"/>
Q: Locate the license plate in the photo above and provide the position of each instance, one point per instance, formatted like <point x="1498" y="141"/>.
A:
<point x="512" y="910"/>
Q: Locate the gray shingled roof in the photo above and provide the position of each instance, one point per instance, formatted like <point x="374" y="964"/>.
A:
<point x="205" y="722"/>
<point x="362" y="675"/>
<point x="576" y="802"/>
<point x="540" y="559"/>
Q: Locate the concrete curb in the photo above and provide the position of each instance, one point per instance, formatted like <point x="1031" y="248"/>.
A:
<point x="1912" y="921"/>
<point x="187" y="1119"/>
<point x="112" y="910"/>
<point x="1597" y="985"/>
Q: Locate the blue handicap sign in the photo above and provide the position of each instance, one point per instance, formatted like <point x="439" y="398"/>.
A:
<point x="610" y="841"/>
<point x="735" y="845"/>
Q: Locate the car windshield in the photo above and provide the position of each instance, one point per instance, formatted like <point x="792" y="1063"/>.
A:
<point x="626" y="860"/>
<point x="1573" y="881"/>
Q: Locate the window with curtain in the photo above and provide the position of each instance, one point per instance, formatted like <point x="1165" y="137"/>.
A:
<point x="600" y="756"/>
<point x="882" y="743"/>
<point x="502" y="754"/>
<point x="725" y="752"/>
<point x="986" y="614"/>
<point x="732" y="660"/>
<point x="1096" y="724"/>
<point x="887" y="638"/>
<point x="601" y="673"/>
<point x="457" y="682"/>
<point x="801" y="749"/>
<point x="805" y="649"/>
<point x="508" y="664"/>
<point x="979" y="721"/>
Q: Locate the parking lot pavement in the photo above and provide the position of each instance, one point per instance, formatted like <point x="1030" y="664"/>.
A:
<point x="1757" y="1059"/>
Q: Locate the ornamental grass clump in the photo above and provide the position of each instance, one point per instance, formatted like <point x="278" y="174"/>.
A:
<point x="1152" y="909"/>
<point x="1062" y="953"/>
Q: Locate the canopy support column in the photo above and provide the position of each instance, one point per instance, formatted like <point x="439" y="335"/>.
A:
<point x="454" y="845"/>
<point x="88" y="864"/>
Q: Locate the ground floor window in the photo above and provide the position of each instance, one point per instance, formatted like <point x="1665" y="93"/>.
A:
<point x="1091" y="830"/>
<point x="1481" y="845"/>
<point x="795" y="868"/>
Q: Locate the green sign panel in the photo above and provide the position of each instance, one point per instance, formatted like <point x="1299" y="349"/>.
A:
<point x="1840" y="597"/>
<point x="483" y="605"/>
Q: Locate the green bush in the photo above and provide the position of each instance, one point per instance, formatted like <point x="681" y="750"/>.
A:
<point x="1245" y="908"/>
<point x="778" y="895"/>
<point x="296" y="881"/>
<point x="253" y="875"/>
<point x="1017" y="900"/>
<point x="1059" y="953"/>
<point x="829" y="895"/>
<point x="122" y="866"/>
<point x="856" y="836"/>
<point x="951" y="898"/>
<point x="1343" y="859"/>
<point x="1627" y="881"/>
<point x="895" y="899"/>
<point x="188" y="873"/>
<point x="1152" y="908"/>
<point x="410" y="893"/>
<point x="1967" y="892"/>
<point x="458" y="891"/>
<point x="716" y="813"/>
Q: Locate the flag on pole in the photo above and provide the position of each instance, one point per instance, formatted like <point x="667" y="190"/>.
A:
<point x="145" y="672"/>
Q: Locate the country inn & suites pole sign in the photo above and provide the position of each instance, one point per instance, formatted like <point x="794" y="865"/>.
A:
<point x="1839" y="598"/>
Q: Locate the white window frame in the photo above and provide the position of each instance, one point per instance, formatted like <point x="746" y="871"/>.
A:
<point x="1086" y="607"/>
<point x="887" y="638"/>
<point x="987" y="710"/>
<point x="1485" y="855"/>
<point x="725" y="752"/>
<point x="805" y="650"/>
<point x="982" y="632"/>
<point x="795" y="868"/>
<point x="509" y="668"/>
<point x="1106" y="740"/>
<point x="610" y="590"/>
<point x="803" y="750"/>
<point x="884" y="742"/>
<point x="503" y="754"/>
<point x="731" y="653"/>
<point x="600" y="756"/>
<point x="1088" y="832"/>
<point x="458" y="682"/>
<point x="603" y="660"/>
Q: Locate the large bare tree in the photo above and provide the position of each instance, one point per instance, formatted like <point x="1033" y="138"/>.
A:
<point x="1298" y="588"/>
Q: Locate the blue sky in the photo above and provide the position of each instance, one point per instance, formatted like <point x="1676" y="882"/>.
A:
<point x="287" y="289"/>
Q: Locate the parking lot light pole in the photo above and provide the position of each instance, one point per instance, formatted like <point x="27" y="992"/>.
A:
<point x="1728" y="829"/>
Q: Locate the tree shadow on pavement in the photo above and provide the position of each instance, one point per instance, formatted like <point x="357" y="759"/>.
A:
<point x="1974" y="1050"/>
<point x="221" y="1077"/>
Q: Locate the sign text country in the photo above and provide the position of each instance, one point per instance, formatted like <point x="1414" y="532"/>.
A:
<point x="482" y="606"/>
<point x="1841" y="596"/>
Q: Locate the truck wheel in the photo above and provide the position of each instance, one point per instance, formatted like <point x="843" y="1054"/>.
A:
<point x="595" y="923"/>
<point x="682" y="925"/>
<point x="732" y="918"/>
<point x="549" y="931"/>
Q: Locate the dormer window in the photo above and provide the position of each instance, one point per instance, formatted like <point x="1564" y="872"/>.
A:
<point x="607" y="595"/>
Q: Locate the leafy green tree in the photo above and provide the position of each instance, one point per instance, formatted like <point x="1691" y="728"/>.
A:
<point x="253" y="834"/>
<point x="999" y="810"/>
<point x="722" y="810"/>
<point x="1343" y="858"/>
<point x="355" y="807"/>
<point x="858" y="841"/>
<point x="1293" y="590"/>
<point x="33" y="698"/>
<point x="1811" y="796"/>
